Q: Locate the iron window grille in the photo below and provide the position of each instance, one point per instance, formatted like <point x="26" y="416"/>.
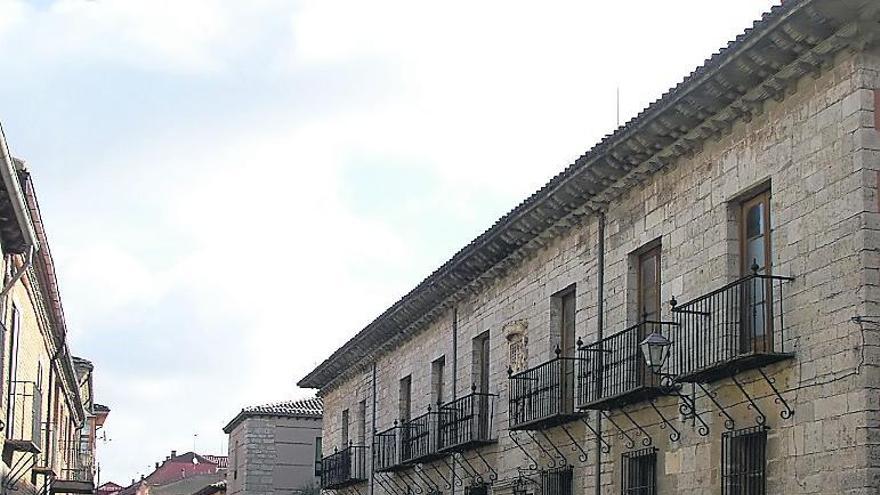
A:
<point x="744" y="461"/>
<point x="557" y="481"/>
<point x="639" y="472"/>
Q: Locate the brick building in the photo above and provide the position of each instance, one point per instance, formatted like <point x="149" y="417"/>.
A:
<point x="728" y="233"/>
<point x="49" y="418"/>
<point x="275" y="448"/>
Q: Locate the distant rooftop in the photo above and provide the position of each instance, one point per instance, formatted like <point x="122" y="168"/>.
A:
<point x="304" y="408"/>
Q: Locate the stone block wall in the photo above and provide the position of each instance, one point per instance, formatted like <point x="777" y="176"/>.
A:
<point x="272" y="455"/>
<point x="819" y="151"/>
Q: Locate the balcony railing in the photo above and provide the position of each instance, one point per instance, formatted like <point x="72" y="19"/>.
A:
<point x="614" y="372"/>
<point x="544" y="396"/>
<point x="344" y="468"/>
<point x="25" y="415"/>
<point x="467" y="423"/>
<point x="737" y="327"/>
<point x="420" y="438"/>
<point x="386" y="450"/>
<point x="77" y="474"/>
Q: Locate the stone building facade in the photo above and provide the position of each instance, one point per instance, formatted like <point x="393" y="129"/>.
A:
<point x="46" y="397"/>
<point x="274" y="449"/>
<point x="736" y="220"/>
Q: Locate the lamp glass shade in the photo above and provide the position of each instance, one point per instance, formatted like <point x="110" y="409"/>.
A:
<point x="655" y="349"/>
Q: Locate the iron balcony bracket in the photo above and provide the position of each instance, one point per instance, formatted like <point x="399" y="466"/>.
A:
<point x="689" y="409"/>
<point x="403" y="489"/>
<point x="413" y="482"/>
<point x="562" y="458"/>
<point x="546" y="453"/>
<point x="455" y="478"/>
<point x="384" y="483"/>
<point x="400" y="489"/>
<point x="647" y="440"/>
<point x="18" y="470"/>
<point x="787" y="412"/>
<point x="630" y="443"/>
<point x="606" y="447"/>
<point x="469" y="469"/>
<point x="493" y="474"/>
<point x="729" y="423"/>
<point x="575" y="447"/>
<point x="533" y="464"/>
<point x="675" y="435"/>
<point x="429" y="483"/>
<point x="447" y="484"/>
<point x="760" y="418"/>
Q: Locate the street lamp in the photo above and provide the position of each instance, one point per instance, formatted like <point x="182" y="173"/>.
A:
<point x="655" y="350"/>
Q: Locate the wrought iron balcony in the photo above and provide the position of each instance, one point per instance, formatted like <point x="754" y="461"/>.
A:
<point x="544" y="396"/>
<point x="613" y="371"/>
<point x="386" y="450"/>
<point x="344" y="468"/>
<point x="420" y="438"/>
<point x="732" y="329"/>
<point x="467" y="423"/>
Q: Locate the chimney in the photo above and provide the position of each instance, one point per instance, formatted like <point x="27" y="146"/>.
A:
<point x="173" y="454"/>
<point x="157" y="465"/>
<point x="132" y="481"/>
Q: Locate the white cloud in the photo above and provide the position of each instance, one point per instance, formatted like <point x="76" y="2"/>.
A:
<point x="193" y="36"/>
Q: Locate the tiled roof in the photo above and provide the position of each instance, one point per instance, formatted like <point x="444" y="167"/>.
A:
<point x="182" y="466"/>
<point x="731" y="85"/>
<point x="307" y="408"/>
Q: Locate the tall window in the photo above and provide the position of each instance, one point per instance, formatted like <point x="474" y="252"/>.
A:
<point x="362" y="423"/>
<point x="481" y="362"/>
<point x="744" y="461"/>
<point x="318" y="456"/>
<point x="345" y="437"/>
<point x="438" y="380"/>
<point x="405" y="396"/>
<point x="561" y="388"/>
<point x="756" y="334"/>
<point x="639" y="472"/>
<point x="15" y="334"/>
<point x="649" y="285"/>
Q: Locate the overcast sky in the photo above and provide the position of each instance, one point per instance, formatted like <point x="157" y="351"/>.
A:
<point x="234" y="188"/>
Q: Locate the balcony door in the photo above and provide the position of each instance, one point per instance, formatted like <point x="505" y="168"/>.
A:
<point x="649" y="309"/>
<point x="481" y="401"/>
<point x="567" y="349"/>
<point x="756" y="332"/>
